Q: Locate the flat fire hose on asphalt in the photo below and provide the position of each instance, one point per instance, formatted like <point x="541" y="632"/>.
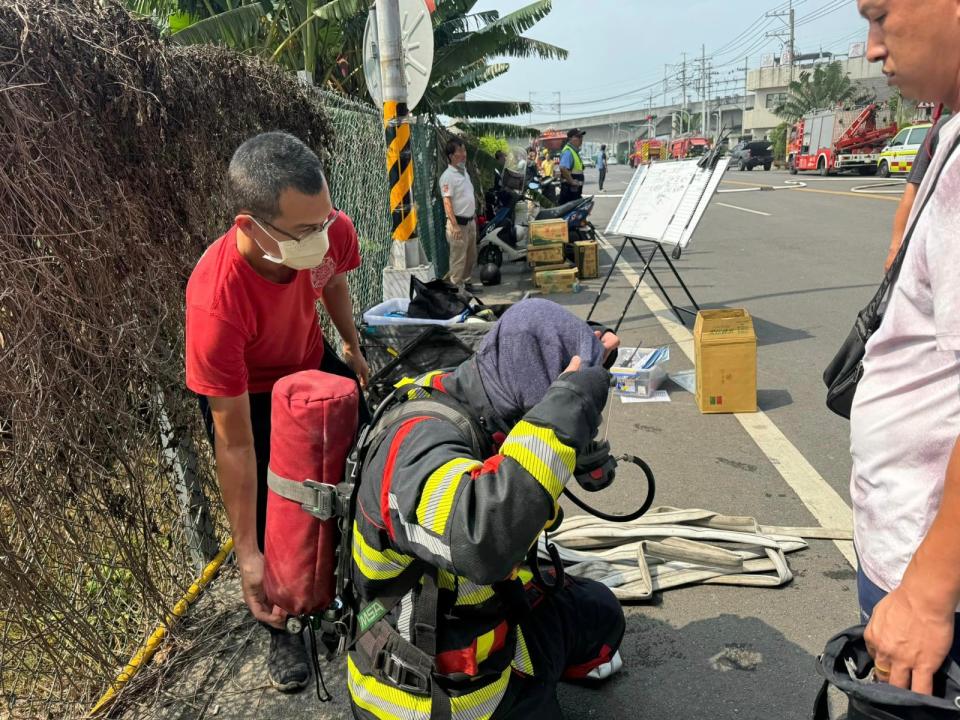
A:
<point x="670" y="547"/>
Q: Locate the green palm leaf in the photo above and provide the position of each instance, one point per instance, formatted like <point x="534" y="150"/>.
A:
<point x="340" y="10"/>
<point x="498" y="129"/>
<point x="452" y="87"/>
<point x="236" y="28"/>
<point x="484" y="108"/>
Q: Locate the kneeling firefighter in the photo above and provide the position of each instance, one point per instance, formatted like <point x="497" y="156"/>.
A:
<point x="455" y="491"/>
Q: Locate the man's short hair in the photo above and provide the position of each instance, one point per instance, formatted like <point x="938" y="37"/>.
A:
<point x="266" y="165"/>
<point x="453" y="144"/>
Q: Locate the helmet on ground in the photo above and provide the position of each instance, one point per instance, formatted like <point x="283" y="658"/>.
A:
<point x="490" y="274"/>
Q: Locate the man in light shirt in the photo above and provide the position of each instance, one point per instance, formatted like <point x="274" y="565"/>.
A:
<point x="905" y="419"/>
<point x="460" y="207"/>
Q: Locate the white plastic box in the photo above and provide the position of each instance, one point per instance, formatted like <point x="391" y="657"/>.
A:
<point x="632" y="379"/>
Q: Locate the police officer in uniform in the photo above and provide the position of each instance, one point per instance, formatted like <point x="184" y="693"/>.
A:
<point x="571" y="167"/>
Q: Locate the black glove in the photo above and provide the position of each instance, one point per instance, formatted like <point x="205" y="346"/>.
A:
<point x="573" y="406"/>
<point x="596" y="467"/>
<point x="603" y="330"/>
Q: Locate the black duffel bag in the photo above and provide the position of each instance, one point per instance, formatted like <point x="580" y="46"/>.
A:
<point x="846" y="665"/>
<point x="437" y="300"/>
<point x="845" y="370"/>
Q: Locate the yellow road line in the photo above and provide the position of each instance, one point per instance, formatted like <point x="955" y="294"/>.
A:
<point x="823" y="502"/>
<point x="870" y="196"/>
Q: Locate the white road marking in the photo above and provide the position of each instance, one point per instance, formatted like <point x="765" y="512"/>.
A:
<point x="608" y="196"/>
<point x="823" y="502"/>
<point x="743" y="209"/>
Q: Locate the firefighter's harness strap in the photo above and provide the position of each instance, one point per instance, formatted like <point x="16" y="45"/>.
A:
<point x="322" y="500"/>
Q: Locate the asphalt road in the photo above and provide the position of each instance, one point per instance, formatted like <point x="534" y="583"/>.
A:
<point x="803" y="262"/>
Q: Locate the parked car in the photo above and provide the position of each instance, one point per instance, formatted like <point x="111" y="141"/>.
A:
<point x="748" y="154"/>
<point x="898" y="156"/>
<point x="612" y="160"/>
<point x="588" y="161"/>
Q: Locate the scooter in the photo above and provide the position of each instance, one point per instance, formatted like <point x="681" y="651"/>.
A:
<point x="505" y="236"/>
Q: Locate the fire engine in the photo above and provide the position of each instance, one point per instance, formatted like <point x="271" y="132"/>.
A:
<point x="644" y="151"/>
<point x="689" y="146"/>
<point x="834" y="140"/>
<point x="552" y="140"/>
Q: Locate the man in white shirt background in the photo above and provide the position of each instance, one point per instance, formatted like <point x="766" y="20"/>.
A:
<point x="460" y="207"/>
<point x="905" y="419"/>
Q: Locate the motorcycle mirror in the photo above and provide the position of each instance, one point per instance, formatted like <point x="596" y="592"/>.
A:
<point x="534" y="186"/>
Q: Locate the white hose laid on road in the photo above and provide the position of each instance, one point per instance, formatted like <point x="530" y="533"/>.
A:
<point x="788" y="185"/>
<point x="869" y="189"/>
<point x="670" y="547"/>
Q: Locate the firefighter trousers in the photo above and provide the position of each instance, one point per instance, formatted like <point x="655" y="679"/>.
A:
<point x="569" y="635"/>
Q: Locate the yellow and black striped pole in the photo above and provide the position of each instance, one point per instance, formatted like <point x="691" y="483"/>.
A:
<point x="400" y="170"/>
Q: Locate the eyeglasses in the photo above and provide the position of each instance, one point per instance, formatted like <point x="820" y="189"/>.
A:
<point x="331" y="219"/>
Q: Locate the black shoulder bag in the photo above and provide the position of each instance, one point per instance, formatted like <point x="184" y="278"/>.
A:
<point x="845" y="370"/>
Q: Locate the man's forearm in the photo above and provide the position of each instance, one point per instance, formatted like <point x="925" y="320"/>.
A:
<point x="934" y="570"/>
<point x="237" y="475"/>
<point x="566" y="175"/>
<point x="448" y="209"/>
<point x="336" y="299"/>
<point x="901" y="217"/>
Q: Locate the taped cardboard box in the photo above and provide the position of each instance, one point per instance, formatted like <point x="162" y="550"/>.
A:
<point x="543" y="232"/>
<point x="557" y="281"/>
<point x="545" y="254"/>
<point x="587" y="254"/>
<point x="725" y="348"/>
<point x="539" y="270"/>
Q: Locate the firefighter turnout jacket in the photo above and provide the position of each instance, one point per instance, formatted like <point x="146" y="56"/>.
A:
<point x="460" y="520"/>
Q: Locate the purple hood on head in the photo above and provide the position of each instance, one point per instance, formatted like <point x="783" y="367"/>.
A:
<point x="530" y="346"/>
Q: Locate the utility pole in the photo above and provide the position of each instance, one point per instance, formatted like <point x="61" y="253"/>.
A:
<point x="530" y="114"/>
<point x="559" y="107"/>
<point x="396" y="124"/>
<point x="743" y="116"/>
<point x="666" y="70"/>
<point x="703" y="87"/>
<point x="684" y="81"/>
<point x="788" y="17"/>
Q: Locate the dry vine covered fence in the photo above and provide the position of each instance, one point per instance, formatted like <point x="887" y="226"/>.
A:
<point x="113" y="148"/>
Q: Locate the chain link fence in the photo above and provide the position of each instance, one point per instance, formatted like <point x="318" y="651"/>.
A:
<point x="115" y="148"/>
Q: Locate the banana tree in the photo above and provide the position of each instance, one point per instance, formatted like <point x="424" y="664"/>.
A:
<point x="824" y="88"/>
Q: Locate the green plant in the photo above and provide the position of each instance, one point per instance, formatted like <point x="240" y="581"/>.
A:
<point x="778" y="137"/>
<point x="827" y="86"/>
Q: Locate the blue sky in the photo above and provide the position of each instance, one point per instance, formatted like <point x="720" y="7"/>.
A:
<point x="619" y="47"/>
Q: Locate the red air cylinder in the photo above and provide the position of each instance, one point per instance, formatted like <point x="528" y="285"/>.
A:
<point x="313" y="425"/>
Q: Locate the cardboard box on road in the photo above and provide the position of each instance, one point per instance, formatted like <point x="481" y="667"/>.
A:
<point x="548" y="231"/>
<point x="725" y="347"/>
<point x="545" y="254"/>
<point x="587" y="254"/>
<point x="556" y="281"/>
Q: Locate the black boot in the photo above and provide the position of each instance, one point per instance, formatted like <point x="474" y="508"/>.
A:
<point x="288" y="664"/>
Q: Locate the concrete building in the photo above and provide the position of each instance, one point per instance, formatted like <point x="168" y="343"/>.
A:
<point x="769" y="86"/>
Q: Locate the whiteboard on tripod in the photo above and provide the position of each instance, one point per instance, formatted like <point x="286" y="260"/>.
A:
<point x="665" y="201"/>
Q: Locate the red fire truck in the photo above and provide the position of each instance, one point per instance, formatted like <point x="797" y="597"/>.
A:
<point x="552" y="140"/>
<point x="689" y="146"/>
<point x="644" y="151"/>
<point x="835" y="140"/>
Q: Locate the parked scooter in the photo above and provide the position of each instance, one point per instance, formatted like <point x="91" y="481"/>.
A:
<point x="504" y="237"/>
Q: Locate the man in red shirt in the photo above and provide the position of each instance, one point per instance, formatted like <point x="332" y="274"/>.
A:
<point x="252" y="319"/>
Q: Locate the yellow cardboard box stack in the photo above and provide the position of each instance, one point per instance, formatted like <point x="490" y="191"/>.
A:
<point x="587" y="254"/>
<point x="557" y="281"/>
<point x="725" y="346"/>
<point x="547" y="238"/>
<point x="546" y="232"/>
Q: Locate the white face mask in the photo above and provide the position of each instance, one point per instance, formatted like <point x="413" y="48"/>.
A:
<point x="303" y="254"/>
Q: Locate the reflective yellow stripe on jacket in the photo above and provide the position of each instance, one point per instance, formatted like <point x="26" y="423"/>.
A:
<point x="377" y="565"/>
<point x="539" y="451"/>
<point x="384" y="701"/>
<point x="436" y="500"/>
